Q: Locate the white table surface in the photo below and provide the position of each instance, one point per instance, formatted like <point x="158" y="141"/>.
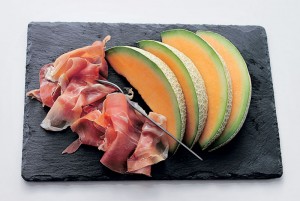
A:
<point x="283" y="30"/>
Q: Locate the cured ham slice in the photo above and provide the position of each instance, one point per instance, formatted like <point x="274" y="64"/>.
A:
<point x="93" y="54"/>
<point x="85" y="63"/>
<point x="68" y="107"/>
<point x="152" y="146"/>
<point x="35" y="94"/>
<point x="128" y="133"/>
<point x="80" y="69"/>
<point x="49" y="91"/>
<point x="89" y="133"/>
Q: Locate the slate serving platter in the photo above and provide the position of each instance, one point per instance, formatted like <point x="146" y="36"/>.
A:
<point x="253" y="154"/>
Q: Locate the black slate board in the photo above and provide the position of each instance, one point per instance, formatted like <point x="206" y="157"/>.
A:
<point x="253" y="154"/>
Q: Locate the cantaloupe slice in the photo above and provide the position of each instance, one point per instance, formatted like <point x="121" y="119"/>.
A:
<point x="215" y="76"/>
<point x="191" y="83"/>
<point x="155" y="82"/>
<point x="241" y="85"/>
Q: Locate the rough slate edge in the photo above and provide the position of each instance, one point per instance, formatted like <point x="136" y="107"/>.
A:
<point x="202" y="175"/>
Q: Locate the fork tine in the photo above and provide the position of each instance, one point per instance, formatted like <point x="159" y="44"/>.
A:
<point x="111" y="84"/>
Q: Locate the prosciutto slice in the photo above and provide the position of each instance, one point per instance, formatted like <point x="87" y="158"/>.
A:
<point x="89" y="132"/>
<point x="87" y="64"/>
<point x="138" y="144"/>
<point x="128" y="133"/>
<point x="68" y="107"/>
<point x="152" y="146"/>
<point x="48" y="91"/>
<point x="93" y="54"/>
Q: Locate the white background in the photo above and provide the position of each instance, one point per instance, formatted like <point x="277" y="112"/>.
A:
<point x="280" y="18"/>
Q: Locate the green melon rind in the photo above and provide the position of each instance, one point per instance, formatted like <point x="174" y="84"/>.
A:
<point x="172" y="81"/>
<point x="227" y="77"/>
<point x="196" y="82"/>
<point x="235" y="51"/>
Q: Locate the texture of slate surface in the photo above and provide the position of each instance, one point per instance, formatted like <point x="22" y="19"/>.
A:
<point x="253" y="154"/>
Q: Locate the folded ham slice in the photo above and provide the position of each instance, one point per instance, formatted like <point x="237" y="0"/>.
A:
<point x="152" y="146"/>
<point x="85" y="64"/>
<point x="128" y="133"/>
<point x="89" y="133"/>
<point x="139" y="143"/>
<point x="68" y="107"/>
<point x="48" y="91"/>
<point x="93" y="54"/>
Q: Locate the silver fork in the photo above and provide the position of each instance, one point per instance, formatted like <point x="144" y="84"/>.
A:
<point x="142" y="113"/>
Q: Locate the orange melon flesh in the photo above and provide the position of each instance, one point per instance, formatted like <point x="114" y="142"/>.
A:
<point x="156" y="90"/>
<point x="241" y="84"/>
<point x="192" y="86"/>
<point x="214" y="74"/>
